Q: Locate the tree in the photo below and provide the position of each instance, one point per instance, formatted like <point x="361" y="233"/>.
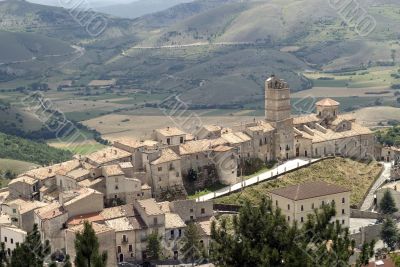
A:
<point x="261" y="236"/>
<point x="3" y="255"/>
<point x="87" y="248"/>
<point x="387" y="204"/>
<point x="154" y="246"/>
<point x="67" y="262"/>
<point x="31" y="253"/>
<point x="191" y="248"/>
<point x="389" y="233"/>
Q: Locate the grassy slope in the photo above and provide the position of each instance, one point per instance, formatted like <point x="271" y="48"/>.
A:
<point x="16" y="166"/>
<point x="344" y="172"/>
<point x="12" y="147"/>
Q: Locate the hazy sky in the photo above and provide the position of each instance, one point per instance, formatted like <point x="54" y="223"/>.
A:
<point x="94" y="2"/>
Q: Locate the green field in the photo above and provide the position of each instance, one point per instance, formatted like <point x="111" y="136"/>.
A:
<point x="353" y="175"/>
<point x="16" y="166"/>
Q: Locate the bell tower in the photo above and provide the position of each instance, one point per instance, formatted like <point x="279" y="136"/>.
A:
<point x="278" y="114"/>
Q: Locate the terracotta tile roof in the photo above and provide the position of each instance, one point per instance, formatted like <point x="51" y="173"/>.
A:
<point x="204" y="226"/>
<point x="261" y="126"/>
<point x="50" y="211"/>
<point x="222" y="148"/>
<point x="125" y="165"/>
<point x="150" y="206"/>
<point x="164" y="206"/>
<point x="80" y="219"/>
<point x="330" y="135"/>
<point x="50" y="171"/>
<point x="112" y="170"/>
<point x="167" y="155"/>
<point x="23" y="179"/>
<point x="78" y="173"/>
<point x="26" y="206"/>
<point x="146" y="187"/>
<point x="309" y="190"/>
<point x="194" y="147"/>
<point x="107" y="155"/>
<point x="133" y="143"/>
<point x="98" y="228"/>
<point x="305" y="119"/>
<point x="341" y="118"/>
<point x="120" y="224"/>
<point x="170" y="131"/>
<point x="212" y="128"/>
<point x="82" y="194"/>
<point x="90" y="182"/>
<point x="173" y="221"/>
<point x="327" y="102"/>
<point x="137" y="223"/>
<point x="117" y="212"/>
<point x="236" y="137"/>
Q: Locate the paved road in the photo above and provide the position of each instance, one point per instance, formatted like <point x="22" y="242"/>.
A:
<point x="268" y="175"/>
<point x="369" y="200"/>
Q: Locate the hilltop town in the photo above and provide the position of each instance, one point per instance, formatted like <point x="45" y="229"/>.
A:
<point x="135" y="187"/>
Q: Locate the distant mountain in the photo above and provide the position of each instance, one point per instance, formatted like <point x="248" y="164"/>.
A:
<point x="139" y="8"/>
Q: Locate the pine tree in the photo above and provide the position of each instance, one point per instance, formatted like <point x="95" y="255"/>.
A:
<point x="389" y="233"/>
<point x="387" y="204"/>
<point x="261" y="236"/>
<point x="87" y="249"/>
<point x="154" y="246"/>
<point x="31" y="253"/>
<point x="3" y="255"/>
<point x="67" y="261"/>
<point x="191" y="248"/>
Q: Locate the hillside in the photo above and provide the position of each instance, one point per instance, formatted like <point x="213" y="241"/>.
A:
<point x="138" y="8"/>
<point x="16" y="148"/>
<point x="231" y="47"/>
<point x="356" y="176"/>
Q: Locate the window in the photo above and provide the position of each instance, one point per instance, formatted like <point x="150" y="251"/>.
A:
<point x="343" y="211"/>
<point x="116" y="187"/>
<point x="172" y="234"/>
<point x="155" y="220"/>
<point x="178" y="174"/>
<point x="203" y="211"/>
<point x="130" y="248"/>
<point x="191" y="218"/>
<point x="168" y="141"/>
<point x="159" y="169"/>
<point x="119" y="249"/>
<point x="115" y="196"/>
<point x="288" y="207"/>
<point x="12" y="241"/>
<point x="302" y="208"/>
<point x="181" y="140"/>
<point x="288" y="218"/>
<point x="302" y="219"/>
<point x="191" y="210"/>
<point x="276" y="202"/>
<point x="343" y="200"/>
<point x="5" y="239"/>
<point x="323" y="202"/>
<point x="14" y="210"/>
<point x="180" y="232"/>
<point x="342" y="221"/>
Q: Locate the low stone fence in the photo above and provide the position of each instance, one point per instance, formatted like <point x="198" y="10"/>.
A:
<point x="354" y="213"/>
<point x="367" y="234"/>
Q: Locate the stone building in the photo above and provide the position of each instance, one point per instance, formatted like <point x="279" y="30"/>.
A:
<point x="298" y="201"/>
<point x="278" y="114"/>
<point x="105" y="236"/>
